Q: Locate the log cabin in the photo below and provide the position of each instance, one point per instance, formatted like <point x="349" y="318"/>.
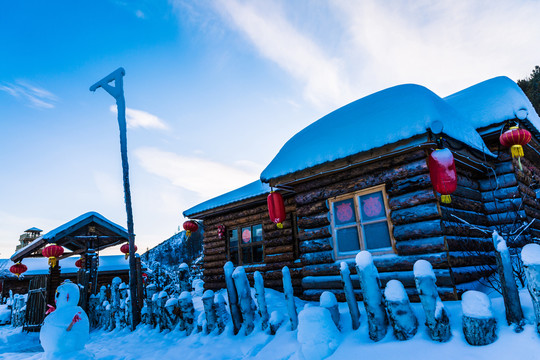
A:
<point x="358" y="179"/>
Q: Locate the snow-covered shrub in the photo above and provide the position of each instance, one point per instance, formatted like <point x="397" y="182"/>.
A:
<point x="317" y="333"/>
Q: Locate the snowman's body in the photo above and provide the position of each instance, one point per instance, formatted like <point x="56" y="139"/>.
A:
<point x="57" y="337"/>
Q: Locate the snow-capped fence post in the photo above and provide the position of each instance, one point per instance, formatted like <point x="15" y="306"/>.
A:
<point x="531" y="262"/>
<point x="328" y="301"/>
<point x="289" y="297"/>
<point x="171" y="313"/>
<point x="188" y="312"/>
<point x="209" y="310"/>
<point x="276" y="319"/>
<point x="184" y="278"/>
<point x="349" y="295"/>
<point x="233" y="297"/>
<point x="245" y="300"/>
<point x="437" y="321"/>
<point x="162" y="299"/>
<point x="261" y="301"/>
<point x="372" y="297"/>
<point x="403" y="321"/>
<point x="221" y="312"/>
<point x="512" y="304"/>
<point x="479" y="325"/>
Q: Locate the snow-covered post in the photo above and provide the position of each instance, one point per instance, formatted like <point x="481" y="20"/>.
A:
<point x="221" y="312"/>
<point x="117" y="91"/>
<point x="261" y="300"/>
<point x="479" y="325"/>
<point x="289" y="297"/>
<point x="162" y="299"/>
<point x="531" y="262"/>
<point x="188" y="312"/>
<point x="328" y="301"/>
<point x="244" y="296"/>
<point x="275" y="321"/>
<point x="171" y="313"/>
<point x="233" y="297"/>
<point x="512" y="304"/>
<point x="201" y="323"/>
<point x="209" y="310"/>
<point x="437" y="321"/>
<point x="349" y="295"/>
<point x="402" y="318"/>
<point x="184" y="278"/>
<point x="372" y="297"/>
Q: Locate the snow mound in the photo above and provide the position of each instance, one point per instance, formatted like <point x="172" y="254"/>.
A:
<point x="395" y="291"/>
<point x="364" y="259"/>
<point x="317" y="333"/>
<point x="476" y="304"/>
<point x="423" y="268"/>
<point x="530" y="254"/>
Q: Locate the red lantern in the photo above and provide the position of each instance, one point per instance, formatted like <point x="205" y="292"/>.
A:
<point x="276" y="208"/>
<point x="78" y="263"/>
<point x="442" y="171"/>
<point x="221" y="229"/>
<point x="18" y="269"/>
<point x="190" y="226"/>
<point x="515" y="138"/>
<point x="52" y="252"/>
<point x="125" y="249"/>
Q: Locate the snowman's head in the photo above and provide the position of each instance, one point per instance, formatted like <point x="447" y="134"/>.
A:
<point x="67" y="294"/>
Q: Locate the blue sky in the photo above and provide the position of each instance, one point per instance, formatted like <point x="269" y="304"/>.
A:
<point x="213" y="90"/>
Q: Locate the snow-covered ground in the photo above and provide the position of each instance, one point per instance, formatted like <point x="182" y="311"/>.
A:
<point x="146" y="343"/>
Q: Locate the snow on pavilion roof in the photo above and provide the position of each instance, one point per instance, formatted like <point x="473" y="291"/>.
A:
<point x="383" y="118"/>
<point x="58" y="234"/>
<point x="248" y="191"/>
<point x="492" y="102"/>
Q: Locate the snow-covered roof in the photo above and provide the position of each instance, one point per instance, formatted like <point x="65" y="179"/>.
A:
<point x="57" y="234"/>
<point x="40" y="266"/>
<point x="248" y="191"/>
<point x="492" y="102"/>
<point x="33" y="229"/>
<point x="386" y="117"/>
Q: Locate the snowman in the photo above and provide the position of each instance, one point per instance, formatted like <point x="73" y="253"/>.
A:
<point x="66" y="329"/>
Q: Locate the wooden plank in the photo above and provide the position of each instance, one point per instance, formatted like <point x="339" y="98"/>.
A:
<point x="471" y="273"/>
<point x="502" y="181"/>
<point x="421" y="246"/>
<point x="446" y="294"/>
<point x="314" y="222"/>
<point x="320" y="257"/>
<point x="316" y="245"/>
<point x="420" y="229"/>
<point x="412" y="199"/>
<point x="312" y="209"/>
<point x="418" y="213"/>
<point x="507" y="193"/>
<point x="312" y="234"/>
<point x="472" y="217"/>
<point x="409" y="184"/>
<point x="270" y="250"/>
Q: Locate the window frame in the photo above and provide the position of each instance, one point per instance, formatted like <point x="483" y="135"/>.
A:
<point x="359" y="224"/>
<point x="241" y="245"/>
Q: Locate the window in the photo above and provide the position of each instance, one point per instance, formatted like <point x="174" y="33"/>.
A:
<point x="360" y="222"/>
<point x="246" y="245"/>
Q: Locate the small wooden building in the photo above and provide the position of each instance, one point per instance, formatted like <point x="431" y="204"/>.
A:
<point x="85" y="236"/>
<point x="358" y="179"/>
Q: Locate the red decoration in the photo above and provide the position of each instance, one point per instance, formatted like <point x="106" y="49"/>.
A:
<point x="373" y="206"/>
<point x="276" y="208"/>
<point x="125" y="249"/>
<point x="344" y="212"/>
<point x="246" y="236"/>
<point x="190" y="226"/>
<point x="78" y="263"/>
<point x="515" y="138"/>
<point x="18" y="269"/>
<point x="221" y="230"/>
<point x="53" y="252"/>
<point x="442" y="171"/>
<point x="144" y="277"/>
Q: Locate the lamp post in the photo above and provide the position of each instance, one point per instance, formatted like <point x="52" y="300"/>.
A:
<point x="117" y="91"/>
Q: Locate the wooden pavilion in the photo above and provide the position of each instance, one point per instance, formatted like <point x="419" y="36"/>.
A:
<point x="85" y="235"/>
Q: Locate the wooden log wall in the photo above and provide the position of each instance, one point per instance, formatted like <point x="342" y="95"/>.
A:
<point x="280" y="247"/>
<point x="414" y="211"/>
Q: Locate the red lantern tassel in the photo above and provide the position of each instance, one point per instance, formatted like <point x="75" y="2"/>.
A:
<point x="446" y="199"/>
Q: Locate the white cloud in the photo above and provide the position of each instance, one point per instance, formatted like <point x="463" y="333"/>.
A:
<point x="267" y="28"/>
<point x="32" y="95"/>
<point x="206" y="178"/>
<point x="142" y="119"/>
<point x="139" y="14"/>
